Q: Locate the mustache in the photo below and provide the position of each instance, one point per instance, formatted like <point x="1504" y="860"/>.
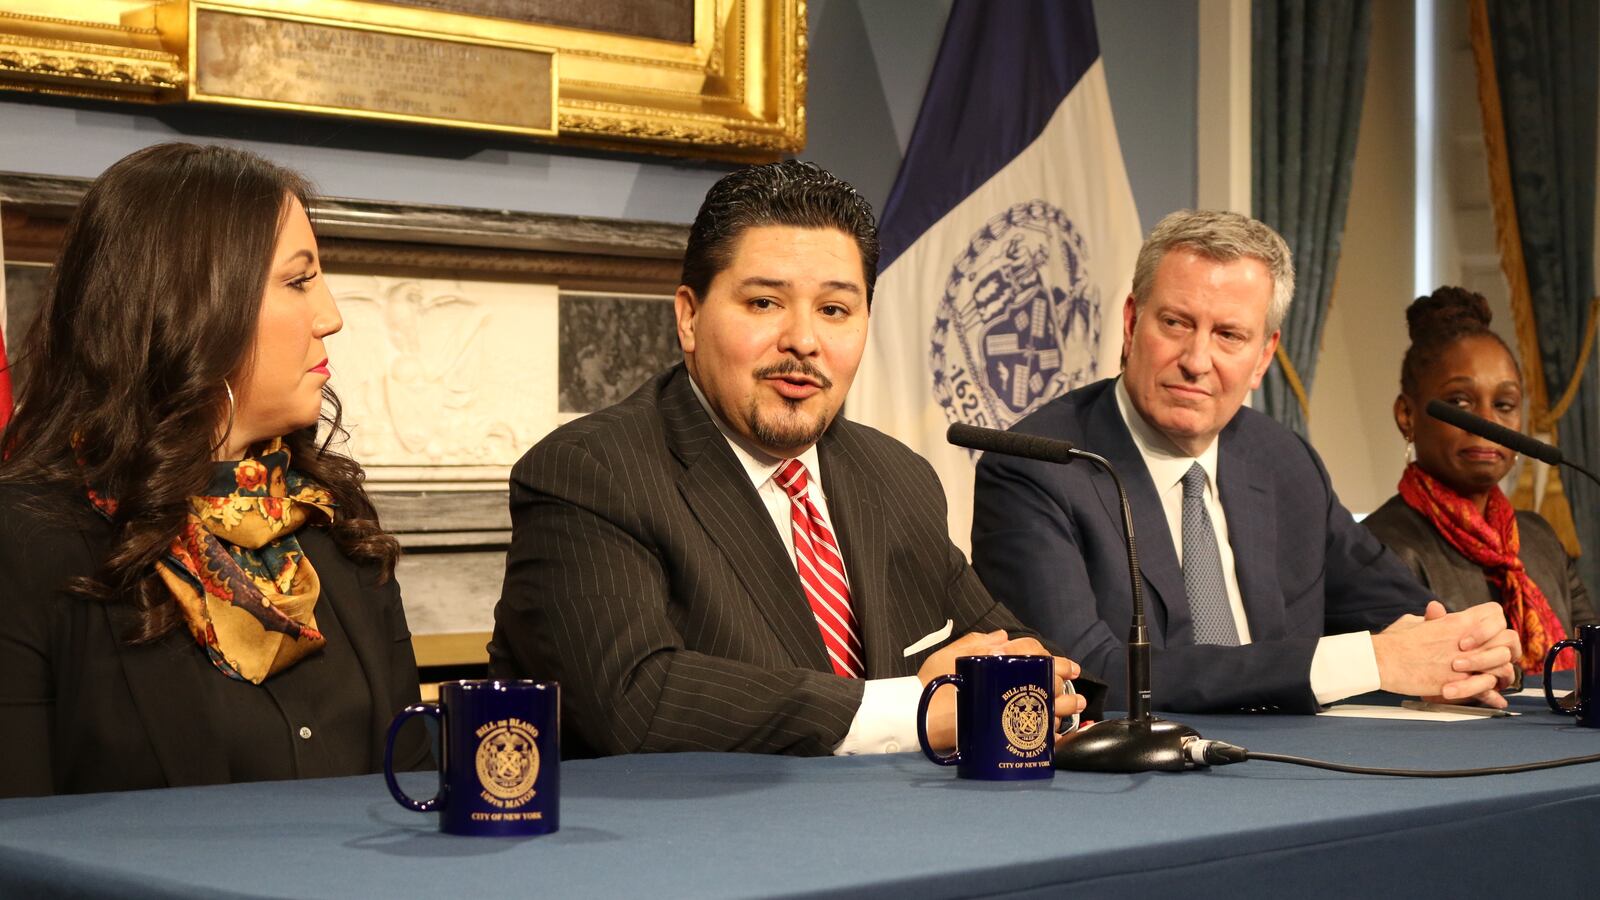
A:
<point x="793" y="366"/>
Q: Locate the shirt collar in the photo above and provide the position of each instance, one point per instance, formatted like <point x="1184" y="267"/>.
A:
<point x="1167" y="464"/>
<point x="758" y="464"/>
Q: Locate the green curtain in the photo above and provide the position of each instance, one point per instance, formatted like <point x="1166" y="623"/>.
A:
<point x="1545" y="64"/>
<point x="1309" y="61"/>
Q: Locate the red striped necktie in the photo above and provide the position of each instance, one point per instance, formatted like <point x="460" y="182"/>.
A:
<point x="821" y="566"/>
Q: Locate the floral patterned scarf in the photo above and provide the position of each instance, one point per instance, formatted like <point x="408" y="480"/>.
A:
<point x="1491" y="540"/>
<point x="244" y="585"/>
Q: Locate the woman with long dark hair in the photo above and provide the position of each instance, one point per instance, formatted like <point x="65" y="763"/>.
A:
<point x="193" y="588"/>
<point x="1450" y="522"/>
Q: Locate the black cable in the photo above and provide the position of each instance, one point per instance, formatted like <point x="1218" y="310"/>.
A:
<point x="1219" y="753"/>
<point x="1423" y="773"/>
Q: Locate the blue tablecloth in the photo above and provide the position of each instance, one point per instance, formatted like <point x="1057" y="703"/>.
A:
<point x="706" y="825"/>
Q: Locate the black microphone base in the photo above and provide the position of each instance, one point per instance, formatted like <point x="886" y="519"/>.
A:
<point x="1126" y="745"/>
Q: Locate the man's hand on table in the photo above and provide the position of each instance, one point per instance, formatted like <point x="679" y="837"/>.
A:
<point x="1451" y="657"/>
<point x="942" y="709"/>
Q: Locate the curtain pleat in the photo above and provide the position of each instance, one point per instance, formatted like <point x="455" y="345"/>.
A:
<point x="1309" y="60"/>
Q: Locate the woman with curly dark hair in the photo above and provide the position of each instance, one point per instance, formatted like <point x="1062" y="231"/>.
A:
<point x="193" y="589"/>
<point x="1450" y="522"/>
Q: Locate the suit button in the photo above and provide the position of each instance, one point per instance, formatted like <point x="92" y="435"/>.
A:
<point x="305" y="733"/>
<point x="892" y="747"/>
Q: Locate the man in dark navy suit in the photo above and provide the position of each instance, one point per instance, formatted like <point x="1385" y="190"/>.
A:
<point x="1260" y="588"/>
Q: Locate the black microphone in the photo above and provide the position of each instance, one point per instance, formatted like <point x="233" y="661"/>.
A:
<point x="1011" y="443"/>
<point x="1505" y="437"/>
<point x="1140" y="742"/>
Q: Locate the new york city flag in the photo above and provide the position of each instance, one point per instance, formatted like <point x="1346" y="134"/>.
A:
<point x="1008" y="240"/>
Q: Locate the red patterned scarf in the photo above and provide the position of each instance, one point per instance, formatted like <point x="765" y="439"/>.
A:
<point x="1491" y="540"/>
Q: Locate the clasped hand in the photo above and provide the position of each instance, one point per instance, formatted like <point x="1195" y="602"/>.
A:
<point x="1447" y="656"/>
<point x="942" y="709"/>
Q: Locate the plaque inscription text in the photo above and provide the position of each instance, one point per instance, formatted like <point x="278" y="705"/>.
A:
<point x="323" y="67"/>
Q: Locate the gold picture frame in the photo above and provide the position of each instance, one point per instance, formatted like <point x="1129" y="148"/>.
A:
<point x="735" y="91"/>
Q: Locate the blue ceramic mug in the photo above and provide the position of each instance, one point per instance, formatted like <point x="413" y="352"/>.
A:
<point x="1004" y="709"/>
<point x="500" y="771"/>
<point x="1582" y="703"/>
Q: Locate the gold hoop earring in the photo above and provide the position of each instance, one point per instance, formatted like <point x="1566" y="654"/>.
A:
<point x="227" y="429"/>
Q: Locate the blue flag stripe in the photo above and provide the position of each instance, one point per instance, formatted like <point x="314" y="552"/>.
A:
<point x="1002" y="71"/>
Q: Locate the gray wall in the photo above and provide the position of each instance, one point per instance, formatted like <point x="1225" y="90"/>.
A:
<point x="868" y="65"/>
<point x="1152" y="55"/>
<point x="870" y="61"/>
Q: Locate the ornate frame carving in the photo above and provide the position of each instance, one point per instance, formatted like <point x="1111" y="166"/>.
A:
<point x="736" y="92"/>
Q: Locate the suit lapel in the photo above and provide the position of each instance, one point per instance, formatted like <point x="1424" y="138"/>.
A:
<point x="1158" y="557"/>
<point x="1253" y="535"/>
<point x="856" y="509"/>
<point x="719" y="493"/>
<point x="166" y="698"/>
<point x="161" y="678"/>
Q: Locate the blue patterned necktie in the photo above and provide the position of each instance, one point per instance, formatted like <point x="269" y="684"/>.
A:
<point x="1202" y="567"/>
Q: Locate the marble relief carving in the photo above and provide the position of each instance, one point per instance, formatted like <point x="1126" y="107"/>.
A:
<point x="444" y="383"/>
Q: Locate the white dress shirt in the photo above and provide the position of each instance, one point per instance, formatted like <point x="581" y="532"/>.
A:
<point x="886" y="721"/>
<point x="1343" y="665"/>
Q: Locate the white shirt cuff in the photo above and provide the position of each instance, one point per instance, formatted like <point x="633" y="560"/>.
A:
<point x="886" y="722"/>
<point x="1343" y="666"/>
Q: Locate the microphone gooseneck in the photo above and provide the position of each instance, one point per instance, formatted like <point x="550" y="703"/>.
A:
<point x="1138" y="633"/>
<point x="1140" y="742"/>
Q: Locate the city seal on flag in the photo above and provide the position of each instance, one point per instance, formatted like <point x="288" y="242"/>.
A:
<point x="1020" y="320"/>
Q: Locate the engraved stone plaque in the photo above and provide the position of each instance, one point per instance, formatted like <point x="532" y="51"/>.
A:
<point x="321" y="67"/>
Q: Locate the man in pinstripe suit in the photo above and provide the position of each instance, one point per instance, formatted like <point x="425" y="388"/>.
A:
<point x="676" y="558"/>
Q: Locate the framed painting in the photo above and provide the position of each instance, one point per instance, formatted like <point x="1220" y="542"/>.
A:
<point x="709" y="78"/>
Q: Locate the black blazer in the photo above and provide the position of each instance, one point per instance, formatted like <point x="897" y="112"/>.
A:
<point x="1459" y="583"/>
<point x="83" y="711"/>
<point x="1048" y="542"/>
<point x="646" y="576"/>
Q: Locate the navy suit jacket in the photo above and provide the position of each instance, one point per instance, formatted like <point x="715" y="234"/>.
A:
<point x="1047" y="540"/>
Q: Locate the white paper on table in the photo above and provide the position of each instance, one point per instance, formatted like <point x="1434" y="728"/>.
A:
<point x="1538" y="692"/>
<point x="1370" y="711"/>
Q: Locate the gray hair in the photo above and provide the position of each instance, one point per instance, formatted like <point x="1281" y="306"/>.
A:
<point x="1219" y="236"/>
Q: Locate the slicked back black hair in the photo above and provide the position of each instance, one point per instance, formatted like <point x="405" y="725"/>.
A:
<point x="792" y="193"/>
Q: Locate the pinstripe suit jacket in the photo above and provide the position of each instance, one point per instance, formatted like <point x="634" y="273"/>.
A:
<point x="647" y="577"/>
